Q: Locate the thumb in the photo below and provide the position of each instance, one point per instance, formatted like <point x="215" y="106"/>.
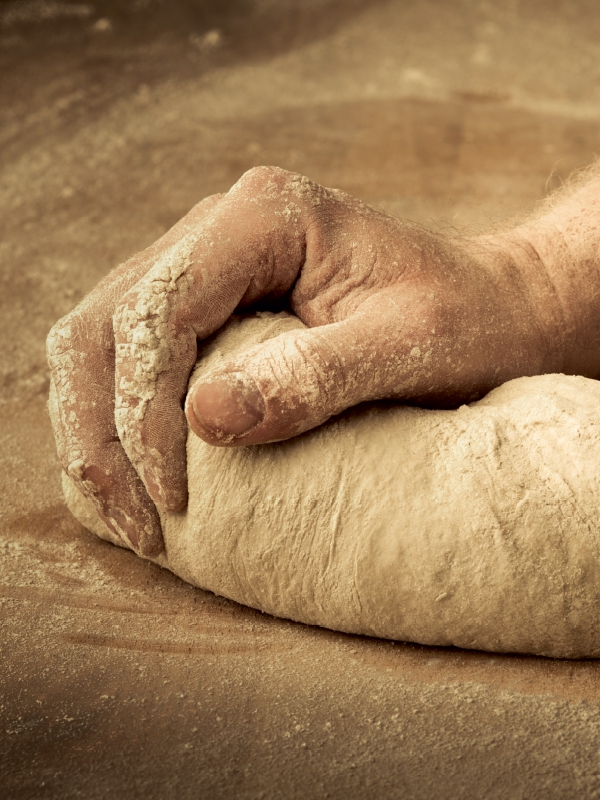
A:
<point x="287" y="385"/>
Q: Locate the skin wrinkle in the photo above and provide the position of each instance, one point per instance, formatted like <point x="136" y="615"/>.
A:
<point x="266" y="280"/>
<point x="548" y="281"/>
<point x="327" y="393"/>
<point x="277" y="366"/>
<point x="531" y="244"/>
<point x="343" y="289"/>
<point x="528" y="254"/>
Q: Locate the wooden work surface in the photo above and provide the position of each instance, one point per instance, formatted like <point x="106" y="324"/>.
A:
<point x="117" y="679"/>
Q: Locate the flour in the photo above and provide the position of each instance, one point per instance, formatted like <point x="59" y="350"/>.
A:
<point x="476" y="527"/>
<point x="143" y="343"/>
<point x="62" y="403"/>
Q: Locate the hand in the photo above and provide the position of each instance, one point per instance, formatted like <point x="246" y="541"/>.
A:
<point x="393" y="311"/>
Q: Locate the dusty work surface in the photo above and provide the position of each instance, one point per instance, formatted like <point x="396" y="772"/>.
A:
<point x="117" y="679"/>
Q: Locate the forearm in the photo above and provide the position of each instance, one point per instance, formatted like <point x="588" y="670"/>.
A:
<point x="557" y="256"/>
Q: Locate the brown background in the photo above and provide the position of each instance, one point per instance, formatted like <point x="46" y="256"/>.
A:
<point x="117" y="679"/>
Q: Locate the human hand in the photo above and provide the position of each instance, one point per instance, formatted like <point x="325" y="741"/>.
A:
<point x="393" y="311"/>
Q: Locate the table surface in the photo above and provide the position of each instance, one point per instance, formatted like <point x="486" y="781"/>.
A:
<point x="118" y="679"/>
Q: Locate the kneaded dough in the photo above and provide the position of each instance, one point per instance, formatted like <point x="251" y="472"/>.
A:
<point x="476" y="527"/>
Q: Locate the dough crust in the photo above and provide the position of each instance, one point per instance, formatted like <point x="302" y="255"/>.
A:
<point x="476" y="527"/>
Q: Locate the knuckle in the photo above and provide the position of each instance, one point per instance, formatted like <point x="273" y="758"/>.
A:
<point x="313" y="366"/>
<point x="60" y="338"/>
<point x="267" y="182"/>
<point x="76" y="333"/>
<point x="82" y="472"/>
<point x="326" y="366"/>
<point x="263" y="176"/>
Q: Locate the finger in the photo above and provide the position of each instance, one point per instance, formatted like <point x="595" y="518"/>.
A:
<point x="82" y="361"/>
<point x="82" y="412"/>
<point x="293" y="383"/>
<point x="244" y="250"/>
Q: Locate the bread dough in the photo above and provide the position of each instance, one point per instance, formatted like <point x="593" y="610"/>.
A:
<point x="476" y="527"/>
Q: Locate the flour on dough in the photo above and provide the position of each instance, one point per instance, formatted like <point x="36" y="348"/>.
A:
<point x="476" y="527"/>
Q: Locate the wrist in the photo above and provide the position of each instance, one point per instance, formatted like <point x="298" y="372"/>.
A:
<point x="524" y="261"/>
<point x="562" y="262"/>
<point x="525" y="317"/>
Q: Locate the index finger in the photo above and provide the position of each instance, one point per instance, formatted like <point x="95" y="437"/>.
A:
<point x="250" y="245"/>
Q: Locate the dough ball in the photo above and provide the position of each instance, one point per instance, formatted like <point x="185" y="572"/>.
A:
<point x="476" y="527"/>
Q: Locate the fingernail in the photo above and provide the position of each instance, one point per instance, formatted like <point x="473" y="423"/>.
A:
<point x="229" y="406"/>
<point x="125" y="526"/>
<point x="152" y="483"/>
<point x="174" y="498"/>
<point x="110" y="524"/>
